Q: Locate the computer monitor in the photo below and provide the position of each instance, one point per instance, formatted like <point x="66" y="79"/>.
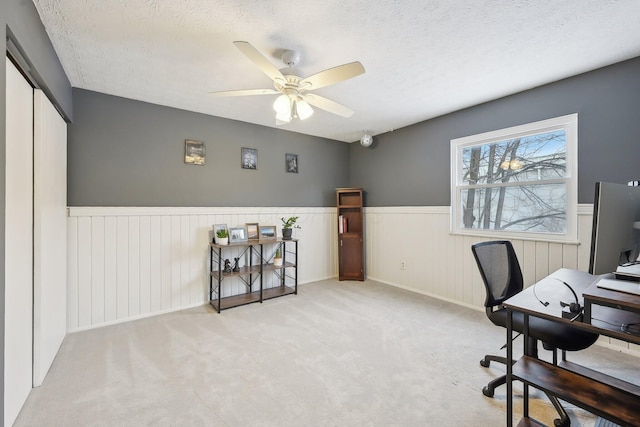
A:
<point x="615" y="238"/>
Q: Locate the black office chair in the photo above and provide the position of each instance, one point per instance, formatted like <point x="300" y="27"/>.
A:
<point x="502" y="277"/>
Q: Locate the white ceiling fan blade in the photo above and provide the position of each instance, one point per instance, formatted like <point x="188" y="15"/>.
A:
<point x="332" y="76"/>
<point x="260" y="60"/>
<point x="327" y="105"/>
<point x="245" y="92"/>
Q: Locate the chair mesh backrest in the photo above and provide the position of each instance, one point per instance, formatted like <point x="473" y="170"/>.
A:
<point x="500" y="270"/>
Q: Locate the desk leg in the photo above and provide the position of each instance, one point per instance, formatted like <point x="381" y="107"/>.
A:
<point x="587" y="312"/>
<point x="509" y="367"/>
<point x="528" y="351"/>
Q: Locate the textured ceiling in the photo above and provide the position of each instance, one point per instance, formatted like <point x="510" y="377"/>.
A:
<point x="422" y="58"/>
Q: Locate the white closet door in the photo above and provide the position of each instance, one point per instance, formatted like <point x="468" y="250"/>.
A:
<point x="49" y="235"/>
<point x="18" y="244"/>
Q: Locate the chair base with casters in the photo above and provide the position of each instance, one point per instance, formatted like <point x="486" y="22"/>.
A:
<point x="489" y="389"/>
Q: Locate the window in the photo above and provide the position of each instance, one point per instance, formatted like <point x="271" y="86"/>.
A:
<point x="519" y="182"/>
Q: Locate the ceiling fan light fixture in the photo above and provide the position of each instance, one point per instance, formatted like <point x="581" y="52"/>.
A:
<point x="284" y="118"/>
<point x="282" y="105"/>
<point x="303" y="109"/>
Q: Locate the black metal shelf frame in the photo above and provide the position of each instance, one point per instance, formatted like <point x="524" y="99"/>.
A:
<point x="252" y="274"/>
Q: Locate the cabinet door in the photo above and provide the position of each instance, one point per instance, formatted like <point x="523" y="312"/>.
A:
<point x="351" y="259"/>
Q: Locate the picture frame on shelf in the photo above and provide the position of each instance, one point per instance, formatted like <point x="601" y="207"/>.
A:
<point x="221" y="239"/>
<point x="249" y="158"/>
<point x="237" y="234"/>
<point x="252" y="231"/>
<point x="268" y="232"/>
<point x="291" y="163"/>
<point x="194" y="152"/>
<point x="217" y="227"/>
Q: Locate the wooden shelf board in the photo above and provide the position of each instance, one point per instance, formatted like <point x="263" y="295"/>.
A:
<point x="255" y="269"/>
<point x="246" y="243"/>
<point x="271" y="267"/>
<point x="601" y="398"/>
<point x="252" y="270"/>
<point x="600" y="377"/>
<point x="237" y="300"/>
<point x="529" y="422"/>
<point x="276" y="292"/>
<point x="251" y="297"/>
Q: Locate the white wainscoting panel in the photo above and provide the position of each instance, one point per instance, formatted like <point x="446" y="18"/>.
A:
<point x="126" y="263"/>
<point x="441" y="265"/>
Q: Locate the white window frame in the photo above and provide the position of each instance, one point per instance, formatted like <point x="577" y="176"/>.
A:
<point x="570" y="125"/>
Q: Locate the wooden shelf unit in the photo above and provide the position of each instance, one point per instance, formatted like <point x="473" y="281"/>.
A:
<point x="349" y="202"/>
<point x="252" y="275"/>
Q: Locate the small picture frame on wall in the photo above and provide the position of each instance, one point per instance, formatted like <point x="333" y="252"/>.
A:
<point x="252" y="231"/>
<point x="237" y="234"/>
<point x="249" y="158"/>
<point x="194" y="152"/>
<point x="268" y="232"/>
<point x="291" y="163"/>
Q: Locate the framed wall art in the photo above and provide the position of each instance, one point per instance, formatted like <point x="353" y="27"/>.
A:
<point x="291" y="163"/>
<point x="249" y="158"/>
<point x="194" y="152"/>
<point x="237" y="234"/>
<point x="268" y="232"/>
<point x="252" y="231"/>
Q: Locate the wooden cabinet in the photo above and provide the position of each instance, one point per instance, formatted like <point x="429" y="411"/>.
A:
<point x="257" y="256"/>
<point x="349" y="202"/>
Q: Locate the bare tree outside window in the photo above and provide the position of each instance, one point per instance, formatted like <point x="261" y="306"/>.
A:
<point x="516" y="184"/>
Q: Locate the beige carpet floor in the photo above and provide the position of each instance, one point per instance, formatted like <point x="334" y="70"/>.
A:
<point x="337" y="354"/>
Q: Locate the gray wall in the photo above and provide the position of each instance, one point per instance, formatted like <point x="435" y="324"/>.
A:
<point x="130" y="153"/>
<point x="20" y="19"/>
<point x="410" y="167"/>
<point x="45" y="71"/>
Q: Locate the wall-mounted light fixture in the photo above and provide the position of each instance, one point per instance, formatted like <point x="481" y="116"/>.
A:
<point x="366" y="140"/>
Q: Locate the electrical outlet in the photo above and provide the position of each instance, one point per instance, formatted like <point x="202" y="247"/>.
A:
<point x="403" y="265"/>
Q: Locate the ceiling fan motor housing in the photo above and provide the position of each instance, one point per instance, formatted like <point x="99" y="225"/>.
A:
<point x="290" y="57"/>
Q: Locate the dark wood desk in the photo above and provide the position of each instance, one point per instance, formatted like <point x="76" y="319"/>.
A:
<point x="607" y="309"/>
<point x="605" y="396"/>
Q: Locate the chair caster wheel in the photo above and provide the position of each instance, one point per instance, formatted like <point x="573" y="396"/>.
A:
<point x="484" y="363"/>
<point x="487" y="391"/>
<point x="561" y="423"/>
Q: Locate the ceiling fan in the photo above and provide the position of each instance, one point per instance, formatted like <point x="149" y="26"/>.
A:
<point x="295" y="99"/>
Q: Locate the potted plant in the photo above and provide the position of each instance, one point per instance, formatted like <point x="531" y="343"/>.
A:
<point x="277" y="259"/>
<point x="288" y="224"/>
<point x="222" y="237"/>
